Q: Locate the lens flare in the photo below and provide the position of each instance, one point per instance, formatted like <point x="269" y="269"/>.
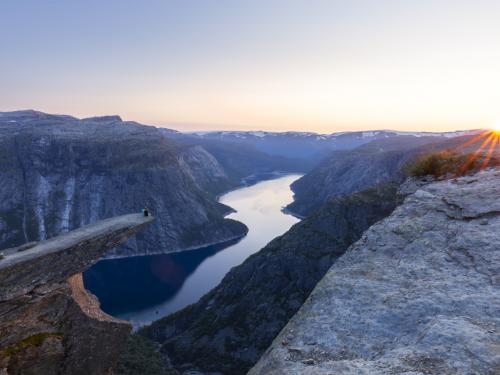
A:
<point x="482" y="150"/>
<point x="496" y="127"/>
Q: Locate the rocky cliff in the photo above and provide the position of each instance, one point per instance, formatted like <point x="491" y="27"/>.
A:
<point x="241" y="161"/>
<point x="417" y="294"/>
<point x="230" y="327"/>
<point x="49" y="323"/>
<point x="58" y="173"/>
<point x="348" y="171"/>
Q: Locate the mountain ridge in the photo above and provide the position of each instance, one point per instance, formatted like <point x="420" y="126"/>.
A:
<point x="58" y="173"/>
<point x="384" y="160"/>
<point x="310" y="146"/>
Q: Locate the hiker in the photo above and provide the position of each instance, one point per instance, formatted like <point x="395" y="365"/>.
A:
<point x="145" y="211"/>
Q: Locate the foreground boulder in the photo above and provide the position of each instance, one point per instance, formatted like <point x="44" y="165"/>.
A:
<point x="417" y="294"/>
<point x="49" y="323"/>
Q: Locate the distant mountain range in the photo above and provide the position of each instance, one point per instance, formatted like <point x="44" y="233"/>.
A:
<point x="308" y="145"/>
<point x="324" y="136"/>
<point x="59" y="172"/>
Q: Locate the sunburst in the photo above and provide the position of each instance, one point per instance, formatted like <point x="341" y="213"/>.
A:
<point x="496" y="127"/>
<point x="485" y="146"/>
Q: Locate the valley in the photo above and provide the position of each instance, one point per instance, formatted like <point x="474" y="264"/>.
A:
<point x="146" y="288"/>
<point x="250" y="187"/>
<point x="226" y="264"/>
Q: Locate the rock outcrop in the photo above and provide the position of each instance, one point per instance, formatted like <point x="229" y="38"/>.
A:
<point x="230" y="327"/>
<point x="49" y="323"/>
<point x="417" y="294"/>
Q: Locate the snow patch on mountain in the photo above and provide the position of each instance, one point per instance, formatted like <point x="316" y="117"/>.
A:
<point x="325" y="137"/>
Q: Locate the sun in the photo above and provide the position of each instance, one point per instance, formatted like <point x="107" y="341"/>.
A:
<point x="496" y="127"/>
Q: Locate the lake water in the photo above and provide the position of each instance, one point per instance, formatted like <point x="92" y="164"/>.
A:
<point x="145" y="288"/>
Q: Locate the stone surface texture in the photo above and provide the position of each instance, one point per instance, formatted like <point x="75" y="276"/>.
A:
<point x="418" y="294"/>
<point x="49" y="323"/>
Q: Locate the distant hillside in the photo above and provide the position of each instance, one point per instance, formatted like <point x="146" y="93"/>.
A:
<point x="379" y="161"/>
<point x="309" y="146"/>
<point x="241" y="160"/>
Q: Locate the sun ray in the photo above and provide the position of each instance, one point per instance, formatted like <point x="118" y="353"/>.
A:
<point x="474" y="156"/>
<point x="491" y="150"/>
<point x="475" y="139"/>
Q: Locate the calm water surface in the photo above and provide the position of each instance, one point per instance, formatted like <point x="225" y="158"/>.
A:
<point x="143" y="289"/>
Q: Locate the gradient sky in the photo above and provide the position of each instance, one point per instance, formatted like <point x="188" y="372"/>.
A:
<point x="311" y="65"/>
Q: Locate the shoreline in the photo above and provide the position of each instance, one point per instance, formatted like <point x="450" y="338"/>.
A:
<point x="191" y="248"/>
<point x="255" y="179"/>
<point x="291" y="213"/>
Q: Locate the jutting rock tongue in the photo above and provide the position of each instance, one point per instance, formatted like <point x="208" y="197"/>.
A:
<point x="49" y="323"/>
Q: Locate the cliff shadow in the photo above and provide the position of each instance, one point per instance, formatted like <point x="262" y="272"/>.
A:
<point x="131" y="284"/>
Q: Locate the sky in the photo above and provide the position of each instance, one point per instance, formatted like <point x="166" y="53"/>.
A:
<point x="280" y="65"/>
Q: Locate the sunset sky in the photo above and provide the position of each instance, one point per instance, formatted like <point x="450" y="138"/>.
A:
<point x="308" y="65"/>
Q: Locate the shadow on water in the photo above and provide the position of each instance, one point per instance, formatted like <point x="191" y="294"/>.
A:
<point x="146" y="288"/>
<point x="144" y="280"/>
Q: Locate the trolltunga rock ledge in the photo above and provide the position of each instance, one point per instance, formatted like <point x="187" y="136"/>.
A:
<point x="56" y="259"/>
<point x="49" y="323"/>
<point x="418" y="294"/>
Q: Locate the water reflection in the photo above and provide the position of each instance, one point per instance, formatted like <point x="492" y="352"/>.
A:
<point x="143" y="289"/>
<point x="134" y="284"/>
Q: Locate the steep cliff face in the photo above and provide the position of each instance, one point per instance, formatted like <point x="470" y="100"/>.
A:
<point x="418" y="293"/>
<point x="49" y="323"/>
<point x="205" y="170"/>
<point x="345" y="172"/>
<point x="231" y="326"/>
<point x="58" y="173"/>
<point x="240" y="160"/>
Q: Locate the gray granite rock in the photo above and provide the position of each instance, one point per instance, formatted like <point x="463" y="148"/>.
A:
<point x="49" y="323"/>
<point x="56" y="259"/>
<point x="418" y="294"/>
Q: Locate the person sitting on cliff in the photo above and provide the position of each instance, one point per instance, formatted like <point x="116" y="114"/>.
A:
<point x="145" y="211"/>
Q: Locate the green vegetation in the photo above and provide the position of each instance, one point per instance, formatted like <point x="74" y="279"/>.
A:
<point x="141" y="357"/>
<point x="443" y="163"/>
<point x="33" y="340"/>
